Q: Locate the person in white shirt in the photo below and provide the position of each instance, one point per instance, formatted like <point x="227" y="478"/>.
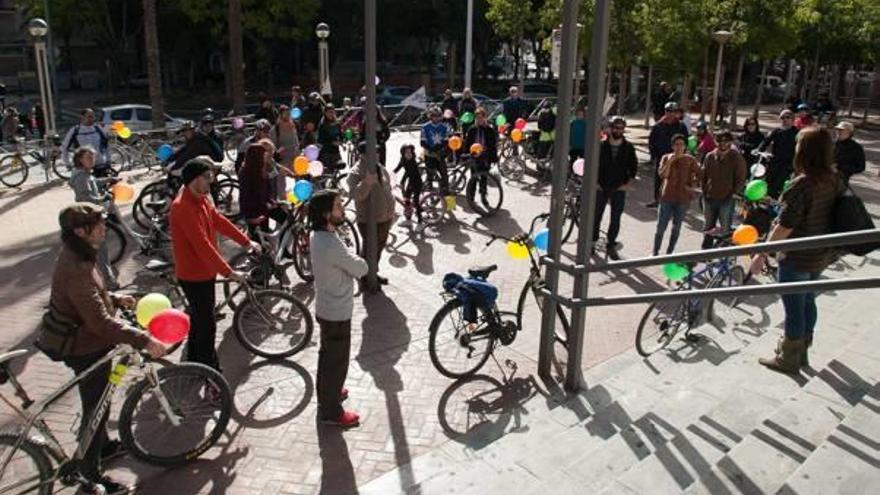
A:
<point x="87" y="133"/>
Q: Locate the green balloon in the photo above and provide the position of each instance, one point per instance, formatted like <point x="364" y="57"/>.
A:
<point x="500" y="120"/>
<point x="349" y="134"/>
<point x="692" y="143"/>
<point x="756" y="190"/>
<point x="675" y="271"/>
<point x="467" y="118"/>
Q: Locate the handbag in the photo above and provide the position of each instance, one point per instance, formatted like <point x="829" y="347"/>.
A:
<point x="57" y="334"/>
<point x="850" y="215"/>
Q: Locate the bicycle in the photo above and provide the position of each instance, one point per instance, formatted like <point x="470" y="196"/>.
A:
<point x="464" y="177"/>
<point x="514" y="158"/>
<point x="663" y="320"/>
<point x="268" y="322"/>
<point x="155" y="243"/>
<point x="15" y="166"/>
<point x="475" y="341"/>
<point x="171" y="415"/>
<point x="154" y="200"/>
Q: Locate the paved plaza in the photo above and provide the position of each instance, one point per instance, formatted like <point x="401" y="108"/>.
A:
<point x="701" y="418"/>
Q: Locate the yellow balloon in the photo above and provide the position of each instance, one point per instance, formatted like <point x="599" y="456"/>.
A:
<point x="301" y="165"/>
<point x="291" y="198"/>
<point x="124" y="133"/>
<point x="450" y="203"/>
<point x="517" y="251"/>
<point x="149" y="305"/>
<point x="122" y="193"/>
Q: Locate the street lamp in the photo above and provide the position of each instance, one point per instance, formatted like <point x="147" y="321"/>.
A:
<point x="469" y="45"/>
<point x="322" y="31"/>
<point x="721" y="37"/>
<point x="38" y="29"/>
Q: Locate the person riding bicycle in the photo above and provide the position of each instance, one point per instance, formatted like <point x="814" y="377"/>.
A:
<point x="80" y="297"/>
<point x="434" y="136"/>
<point x="330" y="138"/>
<point x="87" y="132"/>
<point x="196" y="144"/>
<point x="206" y="127"/>
<point x="486" y="136"/>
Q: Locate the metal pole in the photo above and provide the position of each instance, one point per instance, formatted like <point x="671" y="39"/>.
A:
<point x="560" y="175"/>
<point x="596" y="103"/>
<point x="56" y="102"/>
<point x="648" y="96"/>
<point x="370" y="155"/>
<point x="42" y="79"/>
<point x="469" y="45"/>
<point x="717" y="85"/>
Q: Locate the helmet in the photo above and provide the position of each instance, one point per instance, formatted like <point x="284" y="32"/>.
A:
<point x="618" y="119"/>
<point x="187" y="125"/>
<point x="314" y="95"/>
<point x="803" y="106"/>
<point x="434" y="111"/>
<point x="262" y="125"/>
<point x="670" y="106"/>
<point x="702" y="125"/>
<point x="208" y="118"/>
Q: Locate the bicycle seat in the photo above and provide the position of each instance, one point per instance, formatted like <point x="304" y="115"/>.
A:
<point x="158" y="265"/>
<point x="9" y="356"/>
<point x="482" y="271"/>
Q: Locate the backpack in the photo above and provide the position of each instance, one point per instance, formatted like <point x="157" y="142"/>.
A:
<point x="850" y="215"/>
<point x="74" y="140"/>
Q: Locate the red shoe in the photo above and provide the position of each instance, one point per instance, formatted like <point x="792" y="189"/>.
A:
<point x="343" y="394"/>
<point x="348" y="419"/>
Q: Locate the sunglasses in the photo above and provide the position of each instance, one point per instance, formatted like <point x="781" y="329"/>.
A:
<point x="618" y="128"/>
<point x="787" y="118"/>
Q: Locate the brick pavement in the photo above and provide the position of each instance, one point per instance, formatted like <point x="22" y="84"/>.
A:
<point x="273" y="444"/>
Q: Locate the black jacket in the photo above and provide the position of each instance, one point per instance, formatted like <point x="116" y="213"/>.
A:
<point x="849" y="157"/>
<point x="450" y="104"/>
<point x="783" y="141"/>
<point x="660" y="139"/>
<point x="513" y="108"/>
<point x="748" y="142"/>
<point x="488" y="136"/>
<point x="615" y="172"/>
<point x="199" y="145"/>
<point x="546" y="120"/>
<point x="467" y="105"/>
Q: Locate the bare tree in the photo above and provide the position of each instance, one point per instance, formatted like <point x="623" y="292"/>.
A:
<point x="236" y="56"/>
<point x="154" y="71"/>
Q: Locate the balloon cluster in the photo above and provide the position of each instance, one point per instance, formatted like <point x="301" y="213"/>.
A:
<point x="121" y="130"/>
<point x="300" y="191"/>
<point x="307" y="163"/>
<point x="167" y="325"/>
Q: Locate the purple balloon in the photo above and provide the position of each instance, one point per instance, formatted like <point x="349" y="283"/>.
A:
<point x="378" y="81"/>
<point x="311" y="152"/>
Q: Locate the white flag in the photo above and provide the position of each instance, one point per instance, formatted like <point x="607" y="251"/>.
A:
<point x="418" y="99"/>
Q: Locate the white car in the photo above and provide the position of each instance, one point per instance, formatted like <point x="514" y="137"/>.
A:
<point x="135" y="117"/>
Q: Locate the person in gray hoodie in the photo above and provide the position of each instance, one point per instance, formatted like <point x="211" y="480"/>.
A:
<point x="87" y="188"/>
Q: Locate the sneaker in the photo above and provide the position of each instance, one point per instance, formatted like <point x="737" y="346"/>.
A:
<point x="612" y="253"/>
<point x="343" y="394"/>
<point x="112" y="450"/>
<point x="652" y="204"/>
<point x="110" y="487"/>
<point x="347" y="419"/>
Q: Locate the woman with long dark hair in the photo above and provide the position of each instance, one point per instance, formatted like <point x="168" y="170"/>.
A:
<point x="257" y="190"/>
<point x="750" y="139"/>
<point x="807" y="208"/>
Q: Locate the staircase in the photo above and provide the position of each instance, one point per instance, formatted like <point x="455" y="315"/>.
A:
<point x="701" y="418"/>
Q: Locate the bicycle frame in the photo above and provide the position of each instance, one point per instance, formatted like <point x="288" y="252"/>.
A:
<point x="128" y="358"/>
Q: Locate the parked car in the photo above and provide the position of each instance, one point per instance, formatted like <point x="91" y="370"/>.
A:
<point x="539" y="90"/>
<point x="135" y="117"/>
<point x="393" y="95"/>
<point x="477" y="96"/>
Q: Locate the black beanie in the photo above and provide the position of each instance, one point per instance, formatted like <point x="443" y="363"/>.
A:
<point x="196" y="167"/>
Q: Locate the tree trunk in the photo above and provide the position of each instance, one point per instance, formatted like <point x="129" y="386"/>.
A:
<point x="757" y="111"/>
<point x="815" y="80"/>
<point x="734" y="98"/>
<point x="871" y="93"/>
<point x="236" y="56"/>
<point x="450" y="64"/>
<point x="649" y="95"/>
<point x="851" y="91"/>
<point x="686" y="92"/>
<point x="622" y="92"/>
<point x="154" y="71"/>
<point x="703" y="92"/>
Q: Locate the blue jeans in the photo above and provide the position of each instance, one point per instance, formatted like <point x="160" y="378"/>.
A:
<point x="669" y="211"/>
<point x="800" y="309"/>
<point x="717" y="211"/>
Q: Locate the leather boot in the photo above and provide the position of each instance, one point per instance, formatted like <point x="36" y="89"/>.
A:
<point x="789" y="358"/>
<point x="805" y="358"/>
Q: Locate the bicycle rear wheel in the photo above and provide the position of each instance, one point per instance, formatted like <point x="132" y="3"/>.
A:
<point x="225" y="194"/>
<point x="61" y="169"/>
<point x="512" y="168"/>
<point x="273" y="324"/>
<point x="733" y="277"/>
<point x="30" y="469"/>
<point x="154" y="201"/>
<point x="200" y="398"/>
<point x="660" y="324"/>
<point x="302" y="255"/>
<point x="115" y="242"/>
<point x="457" y="351"/>
<point x="13" y="170"/>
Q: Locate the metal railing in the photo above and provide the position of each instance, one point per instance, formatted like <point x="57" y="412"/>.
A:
<point x="815" y="242"/>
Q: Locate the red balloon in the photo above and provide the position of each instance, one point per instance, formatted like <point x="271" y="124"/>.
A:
<point x="503" y="129"/>
<point x="169" y="326"/>
<point x="520" y="123"/>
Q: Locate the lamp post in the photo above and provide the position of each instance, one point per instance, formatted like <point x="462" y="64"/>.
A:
<point x="469" y="45"/>
<point x="38" y="29"/>
<point x="322" y="30"/>
<point x="721" y="37"/>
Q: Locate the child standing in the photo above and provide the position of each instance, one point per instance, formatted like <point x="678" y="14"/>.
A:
<point x="411" y="183"/>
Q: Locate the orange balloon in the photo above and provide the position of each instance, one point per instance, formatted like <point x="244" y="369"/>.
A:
<point x="476" y="149"/>
<point x="301" y="165"/>
<point x="516" y="135"/>
<point x="122" y="192"/>
<point x="455" y="143"/>
<point x="745" y="234"/>
<point x="118" y="124"/>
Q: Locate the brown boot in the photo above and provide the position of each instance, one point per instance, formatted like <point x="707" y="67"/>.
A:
<point x="789" y="358"/>
<point x="805" y="358"/>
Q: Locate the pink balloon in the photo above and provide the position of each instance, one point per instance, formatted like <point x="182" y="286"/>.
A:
<point x="311" y="152"/>
<point x="169" y="326"/>
<point x="316" y="168"/>
<point x="578" y="167"/>
<point x="238" y="123"/>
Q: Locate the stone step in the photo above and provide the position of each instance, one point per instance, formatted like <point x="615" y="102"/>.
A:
<point x="848" y="461"/>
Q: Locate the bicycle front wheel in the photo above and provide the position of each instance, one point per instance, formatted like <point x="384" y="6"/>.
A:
<point x="115" y="242"/>
<point x="154" y="201"/>
<point x="61" y="169"/>
<point x="433" y="207"/>
<point x="200" y="400"/>
<point x="457" y="347"/>
<point x="512" y="168"/>
<point x="273" y="324"/>
<point x="29" y="470"/>
<point x="660" y="324"/>
<point x="13" y="170"/>
<point x="225" y="194"/>
<point x="485" y="199"/>
<point x="530" y="311"/>
<point x="302" y="254"/>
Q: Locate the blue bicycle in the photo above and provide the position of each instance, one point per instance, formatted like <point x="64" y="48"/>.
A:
<point x="665" y="319"/>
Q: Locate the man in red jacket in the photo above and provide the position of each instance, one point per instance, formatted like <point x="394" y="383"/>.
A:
<point x="195" y="223"/>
